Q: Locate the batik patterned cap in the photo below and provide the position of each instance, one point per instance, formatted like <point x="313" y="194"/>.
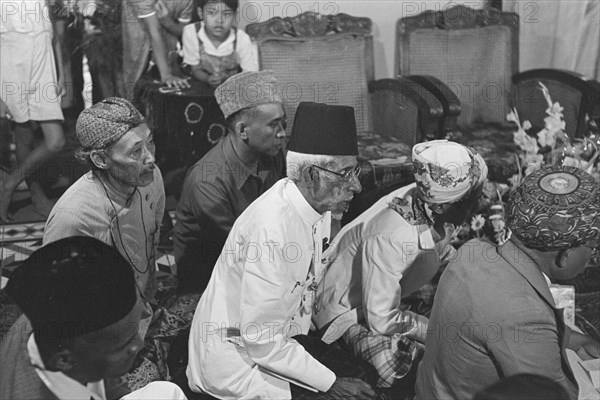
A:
<point x="555" y="208"/>
<point x="106" y="122"/>
<point x="445" y="171"/>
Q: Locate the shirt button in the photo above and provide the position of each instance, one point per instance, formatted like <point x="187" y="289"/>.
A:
<point x="151" y="206"/>
<point x="147" y="196"/>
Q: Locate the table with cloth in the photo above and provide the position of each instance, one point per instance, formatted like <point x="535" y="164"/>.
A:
<point x="186" y="123"/>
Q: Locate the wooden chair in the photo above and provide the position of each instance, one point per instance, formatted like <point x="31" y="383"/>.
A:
<point x="579" y="96"/>
<point x="474" y="52"/>
<point x="329" y="59"/>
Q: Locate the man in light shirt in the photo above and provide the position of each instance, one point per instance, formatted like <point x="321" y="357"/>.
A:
<point x="393" y="249"/>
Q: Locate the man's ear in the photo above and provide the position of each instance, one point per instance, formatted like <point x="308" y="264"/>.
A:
<point x="241" y="131"/>
<point x="563" y="258"/>
<point x="99" y="159"/>
<point x="310" y="176"/>
<point x="61" y="360"/>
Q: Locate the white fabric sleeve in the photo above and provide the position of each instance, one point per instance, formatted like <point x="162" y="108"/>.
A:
<point x="191" y="47"/>
<point x="269" y="301"/>
<point x="384" y="259"/>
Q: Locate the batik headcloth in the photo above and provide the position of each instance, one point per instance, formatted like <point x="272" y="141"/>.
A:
<point x="555" y="208"/>
<point x="106" y="122"/>
<point x="447" y="171"/>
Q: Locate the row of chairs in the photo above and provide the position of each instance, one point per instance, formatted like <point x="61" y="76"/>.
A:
<point x="456" y="75"/>
<point x="454" y="68"/>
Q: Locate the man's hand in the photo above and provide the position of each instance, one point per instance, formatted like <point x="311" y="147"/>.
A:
<point x="351" y="388"/>
<point x="176" y="82"/>
<point x="4" y="111"/>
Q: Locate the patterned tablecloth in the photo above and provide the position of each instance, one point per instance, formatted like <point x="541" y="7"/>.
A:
<point x="186" y="123"/>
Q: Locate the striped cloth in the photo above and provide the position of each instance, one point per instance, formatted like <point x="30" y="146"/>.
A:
<point x="392" y="356"/>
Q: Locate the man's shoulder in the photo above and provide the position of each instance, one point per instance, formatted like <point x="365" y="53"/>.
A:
<point x="81" y="193"/>
<point x="271" y="208"/>
<point x="18" y="377"/>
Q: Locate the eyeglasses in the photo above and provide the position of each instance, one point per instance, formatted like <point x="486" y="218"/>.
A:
<point x="348" y="175"/>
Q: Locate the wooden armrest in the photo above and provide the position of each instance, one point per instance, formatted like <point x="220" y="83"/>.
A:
<point x="431" y="107"/>
<point x="396" y="96"/>
<point x="441" y="91"/>
<point x="449" y="100"/>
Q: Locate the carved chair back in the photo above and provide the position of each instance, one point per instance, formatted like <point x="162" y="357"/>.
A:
<point x="319" y="58"/>
<point x="474" y="52"/>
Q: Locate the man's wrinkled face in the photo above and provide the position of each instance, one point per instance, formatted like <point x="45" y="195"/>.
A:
<point x="334" y="192"/>
<point x="130" y="161"/>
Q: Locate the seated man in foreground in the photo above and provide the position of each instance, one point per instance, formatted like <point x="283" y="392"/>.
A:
<point x="82" y="315"/>
<point x="393" y="249"/>
<point x="234" y="173"/>
<point x="262" y="288"/>
<point x="493" y="315"/>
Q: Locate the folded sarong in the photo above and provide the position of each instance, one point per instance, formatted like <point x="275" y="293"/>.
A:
<point x="392" y="356"/>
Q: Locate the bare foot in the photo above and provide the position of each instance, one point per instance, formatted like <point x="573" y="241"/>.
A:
<point x="7" y="187"/>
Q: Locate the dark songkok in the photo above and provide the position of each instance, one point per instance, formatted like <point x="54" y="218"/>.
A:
<point x="73" y="287"/>
<point x="555" y="208"/>
<point x="324" y="129"/>
<point x="104" y="123"/>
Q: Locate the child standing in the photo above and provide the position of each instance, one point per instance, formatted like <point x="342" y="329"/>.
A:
<point x="32" y="92"/>
<point x="214" y="49"/>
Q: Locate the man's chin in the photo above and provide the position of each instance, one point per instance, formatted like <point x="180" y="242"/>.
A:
<point x="145" y="180"/>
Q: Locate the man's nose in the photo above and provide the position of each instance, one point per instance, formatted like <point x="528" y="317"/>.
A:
<point x="148" y="156"/>
<point x="281" y="133"/>
<point x="356" y="187"/>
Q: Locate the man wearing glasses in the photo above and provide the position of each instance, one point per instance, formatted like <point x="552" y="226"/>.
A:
<point x="249" y="334"/>
<point x="390" y="251"/>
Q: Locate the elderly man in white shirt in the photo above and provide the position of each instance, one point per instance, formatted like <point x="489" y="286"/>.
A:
<point x="261" y="291"/>
<point x="393" y="249"/>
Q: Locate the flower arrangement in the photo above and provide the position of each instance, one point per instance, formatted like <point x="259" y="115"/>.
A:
<point x="550" y="145"/>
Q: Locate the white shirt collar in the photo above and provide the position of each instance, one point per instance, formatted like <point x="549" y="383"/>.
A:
<point x="548" y="281"/>
<point x="63" y="387"/>
<point x="307" y="213"/>
<point x="208" y="44"/>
